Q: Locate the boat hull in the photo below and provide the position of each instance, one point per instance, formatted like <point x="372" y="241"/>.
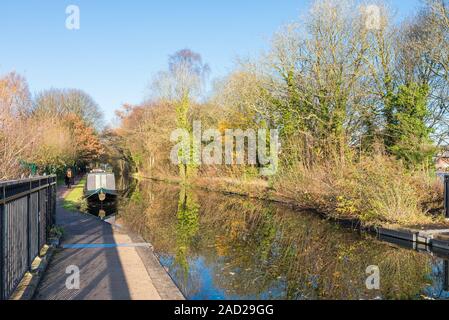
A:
<point x="101" y="195"/>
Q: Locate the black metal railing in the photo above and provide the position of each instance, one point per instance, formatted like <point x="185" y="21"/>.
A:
<point x="446" y="195"/>
<point x="27" y="210"/>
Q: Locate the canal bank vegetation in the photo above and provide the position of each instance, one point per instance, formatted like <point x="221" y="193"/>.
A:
<point x="46" y="133"/>
<point x="361" y="107"/>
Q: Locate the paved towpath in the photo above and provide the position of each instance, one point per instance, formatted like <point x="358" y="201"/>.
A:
<point x="113" y="265"/>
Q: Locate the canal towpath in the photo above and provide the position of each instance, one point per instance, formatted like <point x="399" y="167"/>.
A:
<point x="113" y="264"/>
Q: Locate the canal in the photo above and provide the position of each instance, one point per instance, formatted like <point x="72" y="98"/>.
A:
<point x="217" y="246"/>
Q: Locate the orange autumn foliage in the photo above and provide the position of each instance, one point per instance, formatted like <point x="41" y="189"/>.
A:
<point x="86" y="143"/>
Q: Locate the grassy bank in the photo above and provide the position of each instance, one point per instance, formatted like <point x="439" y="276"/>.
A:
<point x="377" y="190"/>
<point x="74" y="198"/>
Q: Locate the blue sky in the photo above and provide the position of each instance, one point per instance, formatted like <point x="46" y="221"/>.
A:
<point x="121" y="44"/>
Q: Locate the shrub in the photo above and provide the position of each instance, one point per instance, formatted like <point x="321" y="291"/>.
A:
<point x="376" y="190"/>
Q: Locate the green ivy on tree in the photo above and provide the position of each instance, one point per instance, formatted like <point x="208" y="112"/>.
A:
<point x="409" y="135"/>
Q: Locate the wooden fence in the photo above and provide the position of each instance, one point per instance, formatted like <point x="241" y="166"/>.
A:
<point x="27" y="209"/>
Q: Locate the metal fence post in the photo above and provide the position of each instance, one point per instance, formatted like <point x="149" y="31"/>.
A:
<point x="28" y="231"/>
<point x="48" y="210"/>
<point x="446" y="196"/>
<point x="53" y="201"/>
<point x="2" y="228"/>
<point x="39" y="213"/>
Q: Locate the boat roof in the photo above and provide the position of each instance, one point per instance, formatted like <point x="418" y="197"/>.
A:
<point x="102" y="180"/>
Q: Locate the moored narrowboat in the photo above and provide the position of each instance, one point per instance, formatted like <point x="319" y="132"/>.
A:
<point x="100" y="187"/>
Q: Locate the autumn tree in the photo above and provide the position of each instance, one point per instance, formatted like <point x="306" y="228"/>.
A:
<point x="16" y="138"/>
<point x="73" y="138"/>
<point x="116" y="152"/>
<point x="145" y="133"/>
<point x="52" y="151"/>
<point x="86" y="143"/>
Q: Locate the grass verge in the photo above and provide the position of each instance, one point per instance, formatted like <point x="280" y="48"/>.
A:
<point x="74" y="199"/>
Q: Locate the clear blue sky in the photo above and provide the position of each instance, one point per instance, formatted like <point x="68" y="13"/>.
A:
<point x="121" y="44"/>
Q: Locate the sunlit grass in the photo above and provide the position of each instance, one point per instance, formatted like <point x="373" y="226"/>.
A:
<point x="73" y="199"/>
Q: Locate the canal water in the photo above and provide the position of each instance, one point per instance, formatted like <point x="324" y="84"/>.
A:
<point x="218" y="246"/>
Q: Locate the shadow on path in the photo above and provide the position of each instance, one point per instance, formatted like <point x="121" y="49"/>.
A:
<point x="101" y="270"/>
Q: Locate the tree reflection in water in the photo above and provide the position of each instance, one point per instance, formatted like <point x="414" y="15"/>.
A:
<point x="218" y="247"/>
<point x="187" y="227"/>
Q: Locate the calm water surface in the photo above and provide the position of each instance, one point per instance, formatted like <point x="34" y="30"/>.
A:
<point x="224" y="247"/>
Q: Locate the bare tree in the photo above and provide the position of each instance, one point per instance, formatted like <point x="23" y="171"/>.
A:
<point x="184" y="78"/>
<point x="62" y="102"/>
<point x="312" y="81"/>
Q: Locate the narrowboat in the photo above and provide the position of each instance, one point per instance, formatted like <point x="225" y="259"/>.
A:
<point x="100" y="187"/>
